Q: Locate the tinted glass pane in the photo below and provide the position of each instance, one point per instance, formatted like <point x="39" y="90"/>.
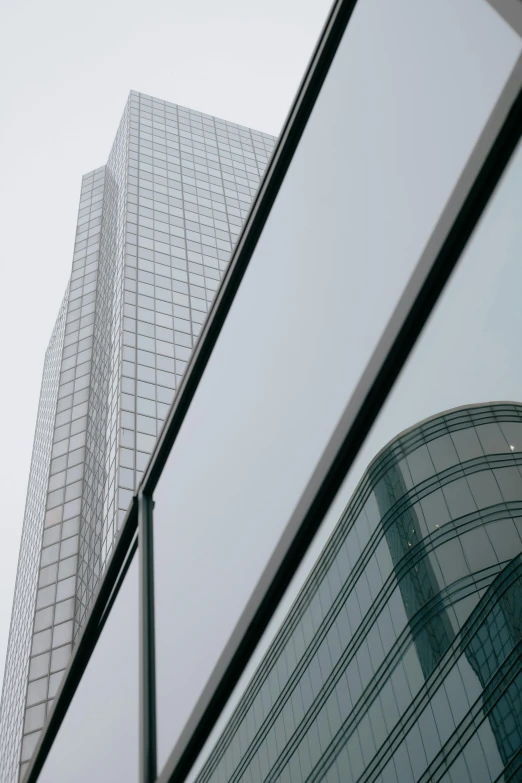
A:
<point x="467" y="352"/>
<point x="401" y="109"/>
<point x="454" y="385"/>
<point x="98" y="739"/>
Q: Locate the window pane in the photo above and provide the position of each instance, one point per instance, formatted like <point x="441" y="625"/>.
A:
<point x="98" y="739"/>
<point x="408" y="94"/>
<point x="467" y="353"/>
<point x="436" y="654"/>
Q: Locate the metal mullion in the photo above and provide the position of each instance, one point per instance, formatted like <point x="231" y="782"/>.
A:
<point x="147" y="674"/>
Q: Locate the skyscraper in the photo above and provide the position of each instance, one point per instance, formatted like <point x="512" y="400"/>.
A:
<point x="156" y="226"/>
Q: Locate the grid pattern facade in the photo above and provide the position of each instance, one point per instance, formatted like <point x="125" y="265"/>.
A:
<point x="97" y="528"/>
<point x="401" y="659"/>
<point x="17" y="661"/>
<point x="55" y="605"/>
<point x="191" y="180"/>
<point x="156" y="227"/>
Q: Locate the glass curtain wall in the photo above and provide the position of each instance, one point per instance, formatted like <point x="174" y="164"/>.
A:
<point x="395" y="654"/>
<point x="384" y="149"/>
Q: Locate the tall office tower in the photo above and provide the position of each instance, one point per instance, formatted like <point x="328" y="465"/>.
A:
<point x="401" y="658"/>
<point x="156" y="227"/>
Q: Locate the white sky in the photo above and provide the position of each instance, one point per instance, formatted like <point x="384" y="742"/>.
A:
<point x="67" y="69"/>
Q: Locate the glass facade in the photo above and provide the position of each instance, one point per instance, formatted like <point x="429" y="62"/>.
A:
<point x="354" y="208"/>
<point x="322" y="523"/>
<point x="156" y="227"/>
<point x="401" y="658"/>
<point x="19" y="647"/>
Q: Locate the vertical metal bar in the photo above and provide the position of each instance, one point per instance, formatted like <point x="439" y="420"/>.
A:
<point x="147" y="658"/>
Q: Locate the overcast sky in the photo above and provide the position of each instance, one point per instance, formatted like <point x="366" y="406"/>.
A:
<point x="68" y="68"/>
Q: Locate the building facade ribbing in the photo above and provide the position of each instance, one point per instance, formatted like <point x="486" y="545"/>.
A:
<point x="401" y="658"/>
<point x="156" y="226"/>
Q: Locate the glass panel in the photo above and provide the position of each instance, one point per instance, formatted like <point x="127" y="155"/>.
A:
<point x="468" y="351"/>
<point x="98" y="739"/>
<point x="401" y="109"/>
<point x="435" y="662"/>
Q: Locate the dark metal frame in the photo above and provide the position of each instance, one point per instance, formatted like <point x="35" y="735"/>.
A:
<point x="147" y="655"/>
<point x="463" y="210"/>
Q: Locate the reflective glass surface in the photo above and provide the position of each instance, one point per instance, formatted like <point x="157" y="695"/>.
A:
<point x="98" y="739"/>
<point x="467" y="352"/>
<point x="410" y="616"/>
<point x="373" y="171"/>
<point x="399" y="659"/>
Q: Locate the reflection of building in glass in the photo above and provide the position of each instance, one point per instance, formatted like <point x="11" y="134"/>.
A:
<point x="155" y="230"/>
<point x="418" y="585"/>
<point x="494" y="654"/>
<point x="401" y="658"/>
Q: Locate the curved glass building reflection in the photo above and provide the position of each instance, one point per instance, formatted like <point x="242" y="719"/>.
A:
<point x="401" y="658"/>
